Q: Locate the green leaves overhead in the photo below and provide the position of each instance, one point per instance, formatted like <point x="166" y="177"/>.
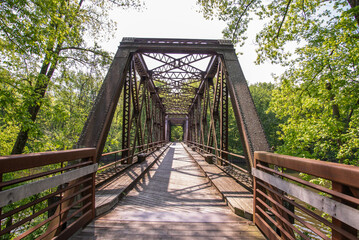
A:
<point x="39" y="40"/>
<point x="317" y="96"/>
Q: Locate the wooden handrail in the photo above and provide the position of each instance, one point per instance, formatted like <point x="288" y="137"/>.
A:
<point x="340" y="200"/>
<point x="19" y="162"/>
<point x="128" y="149"/>
<point x="114" y="165"/>
<point x="69" y="169"/>
<point x="336" y="172"/>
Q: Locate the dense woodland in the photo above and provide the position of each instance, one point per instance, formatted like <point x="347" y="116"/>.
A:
<point x="52" y="66"/>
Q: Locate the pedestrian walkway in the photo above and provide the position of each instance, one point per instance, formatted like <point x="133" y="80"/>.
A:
<point x="174" y="200"/>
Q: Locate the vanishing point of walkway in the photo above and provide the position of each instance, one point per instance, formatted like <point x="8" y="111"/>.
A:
<point x="173" y="201"/>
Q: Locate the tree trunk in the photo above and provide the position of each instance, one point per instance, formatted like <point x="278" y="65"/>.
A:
<point x="42" y="82"/>
<point x="41" y="86"/>
<point x="353" y="4"/>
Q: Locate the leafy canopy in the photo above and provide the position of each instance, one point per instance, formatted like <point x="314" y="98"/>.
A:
<point x="317" y="97"/>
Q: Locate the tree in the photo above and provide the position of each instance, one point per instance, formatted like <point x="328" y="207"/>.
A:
<point x="262" y="95"/>
<point x="317" y="97"/>
<point x="176" y="133"/>
<point x="36" y="37"/>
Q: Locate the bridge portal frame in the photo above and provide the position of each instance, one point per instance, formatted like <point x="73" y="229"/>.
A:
<point x="225" y="63"/>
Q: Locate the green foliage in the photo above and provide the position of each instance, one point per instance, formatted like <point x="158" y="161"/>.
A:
<point x="114" y="137"/>
<point x="262" y="96"/>
<point x="234" y="138"/>
<point x="319" y="100"/>
<point x="69" y="101"/>
<point x="176" y="133"/>
<point x="317" y="97"/>
<point x="41" y="42"/>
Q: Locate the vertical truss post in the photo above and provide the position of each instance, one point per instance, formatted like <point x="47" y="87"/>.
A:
<point x="158" y="123"/>
<point x="203" y="113"/>
<point x="224" y="114"/>
<point x="163" y="115"/>
<point x="189" y="135"/>
<point x="190" y="126"/>
<point x="126" y="114"/>
<point x="169" y="131"/>
<point x="148" y="118"/>
<point x="199" y="105"/>
<point x="195" y="116"/>
<point x="136" y="103"/>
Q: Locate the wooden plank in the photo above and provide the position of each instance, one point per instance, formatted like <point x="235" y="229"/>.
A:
<point x="173" y="200"/>
<point x="341" y="173"/>
<point x="108" y="195"/>
<point x="341" y="211"/>
<point x="25" y="161"/>
<point x="18" y="193"/>
<point x="239" y="199"/>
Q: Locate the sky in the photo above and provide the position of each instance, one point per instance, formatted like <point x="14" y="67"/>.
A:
<point x="182" y="19"/>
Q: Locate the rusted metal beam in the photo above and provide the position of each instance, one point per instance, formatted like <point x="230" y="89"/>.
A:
<point x="252" y="134"/>
<point x="98" y="124"/>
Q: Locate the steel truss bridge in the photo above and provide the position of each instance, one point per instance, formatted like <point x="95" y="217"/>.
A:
<point x="156" y="84"/>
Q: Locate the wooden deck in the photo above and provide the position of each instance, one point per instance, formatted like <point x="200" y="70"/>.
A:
<point x="109" y="193"/>
<point x="238" y="198"/>
<point x="174" y="200"/>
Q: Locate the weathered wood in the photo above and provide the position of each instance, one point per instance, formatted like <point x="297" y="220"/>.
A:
<point x="342" y="212"/>
<point x="108" y="195"/>
<point x="17" y="193"/>
<point x="239" y="199"/>
<point x="25" y="161"/>
<point x="174" y="200"/>
<point x="336" y="172"/>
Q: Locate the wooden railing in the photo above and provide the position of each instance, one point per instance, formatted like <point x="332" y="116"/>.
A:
<point x="288" y="207"/>
<point x="148" y="148"/>
<point x="47" y="195"/>
<point x="212" y="150"/>
<point x="119" y="163"/>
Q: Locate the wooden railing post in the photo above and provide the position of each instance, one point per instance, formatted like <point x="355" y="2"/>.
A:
<point x="255" y="202"/>
<point x="335" y="234"/>
<point x="93" y="189"/>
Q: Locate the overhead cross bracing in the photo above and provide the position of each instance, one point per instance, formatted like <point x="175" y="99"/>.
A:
<point x="176" y="77"/>
<point x="163" y="80"/>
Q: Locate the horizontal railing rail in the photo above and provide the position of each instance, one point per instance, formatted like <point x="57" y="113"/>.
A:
<point x="109" y="170"/>
<point x="323" y="205"/>
<point x="205" y="149"/>
<point x="47" y="195"/>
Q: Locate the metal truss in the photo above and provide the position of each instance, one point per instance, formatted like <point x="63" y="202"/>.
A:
<point x="189" y="82"/>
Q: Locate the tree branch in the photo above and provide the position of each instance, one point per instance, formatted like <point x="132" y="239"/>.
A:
<point x="10" y="37"/>
<point x="350" y="114"/>
<point x="240" y="18"/>
<point x="285" y="14"/>
<point x="305" y="15"/>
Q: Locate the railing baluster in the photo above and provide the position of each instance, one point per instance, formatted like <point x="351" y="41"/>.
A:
<point x="340" y="202"/>
<point x="41" y="182"/>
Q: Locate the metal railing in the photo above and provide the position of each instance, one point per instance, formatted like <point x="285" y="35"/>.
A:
<point x="206" y="149"/>
<point x="150" y="147"/>
<point x="288" y="207"/>
<point x="47" y="195"/>
<point x="111" y="169"/>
